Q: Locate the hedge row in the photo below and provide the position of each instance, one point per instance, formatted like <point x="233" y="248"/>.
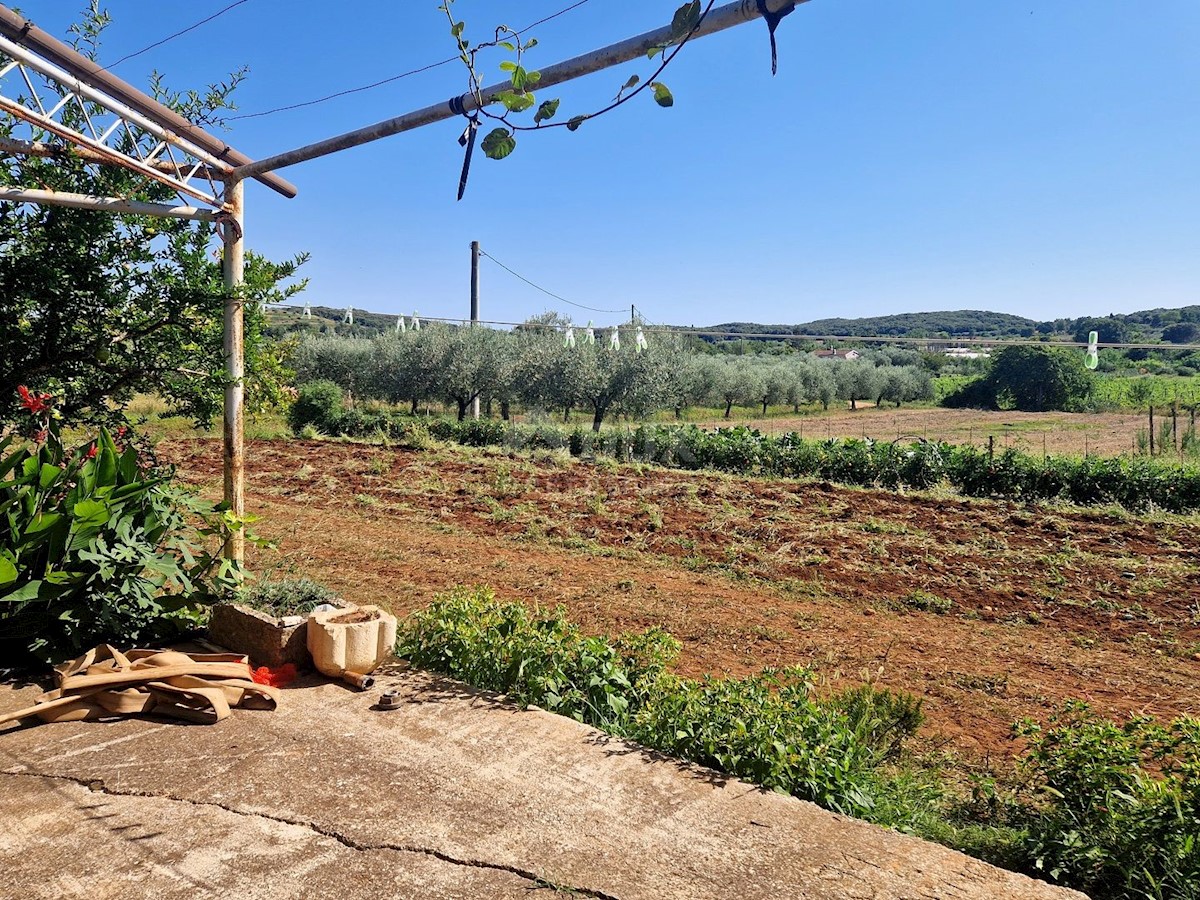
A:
<point x="1135" y="484"/>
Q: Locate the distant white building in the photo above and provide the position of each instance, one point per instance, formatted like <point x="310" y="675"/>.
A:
<point x="836" y="354"/>
<point x="966" y="353"/>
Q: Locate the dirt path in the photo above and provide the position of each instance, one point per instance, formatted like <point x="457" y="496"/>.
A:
<point x="1044" y="605"/>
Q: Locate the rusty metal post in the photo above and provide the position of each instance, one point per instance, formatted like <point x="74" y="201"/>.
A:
<point x="233" y="269"/>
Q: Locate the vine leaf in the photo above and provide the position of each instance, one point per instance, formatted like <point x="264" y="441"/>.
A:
<point x="632" y="82"/>
<point x="662" y="94"/>
<point x="499" y="143"/>
<point x="545" y="112"/>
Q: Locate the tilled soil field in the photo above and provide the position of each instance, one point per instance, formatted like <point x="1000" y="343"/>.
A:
<point x="989" y="611"/>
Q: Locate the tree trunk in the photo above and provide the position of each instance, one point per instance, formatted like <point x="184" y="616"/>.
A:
<point x="566" y="415"/>
<point x="853" y="404"/>
<point x="462" y="408"/>
<point x="598" y="418"/>
<point x="764" y="407"/>
<point x="414" y="406"/>
<point x="728" y="408"/>
<point x="504" y="410"/>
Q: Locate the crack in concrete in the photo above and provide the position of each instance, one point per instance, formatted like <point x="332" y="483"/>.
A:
<point x="538" y="881"/>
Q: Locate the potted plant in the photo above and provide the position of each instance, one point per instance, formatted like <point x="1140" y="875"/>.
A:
<point x="268" y="620"/>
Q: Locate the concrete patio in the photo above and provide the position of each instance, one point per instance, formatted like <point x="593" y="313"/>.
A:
<point x="454" y="795"/>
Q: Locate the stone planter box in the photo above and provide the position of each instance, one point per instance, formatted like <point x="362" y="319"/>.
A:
<point x="267" y="640"/>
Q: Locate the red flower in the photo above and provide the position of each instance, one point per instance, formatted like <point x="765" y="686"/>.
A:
<point x="91" y="454"/>
<point x="32" y="401"/>
<point x="40" y="437"/>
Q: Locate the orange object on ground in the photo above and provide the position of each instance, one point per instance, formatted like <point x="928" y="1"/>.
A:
<point x="276" y="677"/>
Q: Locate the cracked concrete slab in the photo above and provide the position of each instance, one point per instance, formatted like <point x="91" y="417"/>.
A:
<point x="453" y="795"/>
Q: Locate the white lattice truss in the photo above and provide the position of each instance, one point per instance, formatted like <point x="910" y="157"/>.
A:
<point x="53" y="113"/>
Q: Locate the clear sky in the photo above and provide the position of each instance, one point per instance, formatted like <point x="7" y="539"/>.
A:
<point x="1038" y="158"/>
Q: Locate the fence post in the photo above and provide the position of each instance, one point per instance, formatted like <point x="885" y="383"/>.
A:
<point x="1151" y="429"/>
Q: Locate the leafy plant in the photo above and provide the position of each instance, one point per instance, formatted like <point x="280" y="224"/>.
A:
<point x="96" y="545"/>
<point x="518" y="96"/>
<point x="1115" y="808"/>
<point x="770" y="728"/>
<point x="289" y="597"/>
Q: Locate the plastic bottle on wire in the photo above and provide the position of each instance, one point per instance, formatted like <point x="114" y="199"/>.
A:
<point x="348" y="318"/>
<point x="1093" y="352"/>
<point x="640" y="340"/>
<point x="569" y="339"/>
<point x="307" y="310"/>
<point x="590" y="336"/>
<point x="416" y="323"/>
<point x="401" y="328"/>
<point x="614" y="342"/>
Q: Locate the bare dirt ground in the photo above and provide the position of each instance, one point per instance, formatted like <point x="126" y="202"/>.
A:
<point x="1109" y="434"/>
<point x="1037" y="604"/>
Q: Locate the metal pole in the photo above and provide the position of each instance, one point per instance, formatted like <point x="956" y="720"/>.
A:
<point x="719" y="19"/>
<point x="475" y="307"/>
<point x="233" y="269"/>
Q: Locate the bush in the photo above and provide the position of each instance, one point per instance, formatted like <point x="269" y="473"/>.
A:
<point x="96" y="547"/>
<point x="321" y="405"/>
<point x="1135" y="484"/>
<point x="769" y="728"/>
<point x="1101" y="807"/>
<point x="1115" y="809"/>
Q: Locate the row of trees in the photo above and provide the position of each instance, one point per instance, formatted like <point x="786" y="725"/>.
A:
<point x="532" y="368"/>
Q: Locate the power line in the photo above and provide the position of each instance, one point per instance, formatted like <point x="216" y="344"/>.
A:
<point x="172" y="37"/>
<point x="393" y="78"/>
<point x="543" y="290"/>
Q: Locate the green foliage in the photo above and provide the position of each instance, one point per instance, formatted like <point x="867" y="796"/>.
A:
<point x="518" y="96"/>
<point x="768" y="728"/>
<point x="97" y="547"/>
<point x="1115" y="808"/>
<point x="1136" y="484"/>
<point x="1039" y="378"/>
<point x="289" y="597"/>
<point x="319" y="404"/>
<point x="96" y="307"/>
<point x="536" y="657"/>
<point x="1103" y="807"/>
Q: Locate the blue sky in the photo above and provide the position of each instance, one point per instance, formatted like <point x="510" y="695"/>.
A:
<point x="1038" y="158"/>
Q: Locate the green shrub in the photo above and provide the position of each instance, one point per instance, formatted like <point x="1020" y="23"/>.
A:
<point x="95" y="547"/>
<point x="1115" y="809"/>
<point x="1106" y="808"/>
<point x="769" y="728"/>
<point x="321" y="405"/>
<point x="1010" y="474"/>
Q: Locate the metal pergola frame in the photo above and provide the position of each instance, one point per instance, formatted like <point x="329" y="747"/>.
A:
<point x="200" y="167"/>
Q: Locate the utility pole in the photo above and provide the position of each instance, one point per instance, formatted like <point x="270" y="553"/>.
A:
<point x="632" y="314"/>
<point x="475" y="307"/>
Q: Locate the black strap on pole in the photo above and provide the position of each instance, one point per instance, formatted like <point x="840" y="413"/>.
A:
<point x="773" y="19"/>
<point x="467" y="140"/>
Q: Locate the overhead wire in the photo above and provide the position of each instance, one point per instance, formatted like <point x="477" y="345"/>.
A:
<point x="546" y="292"/>
<point x="393" y="78"/>
<point x="682" y="330"/>
<point x="177" y="34"/>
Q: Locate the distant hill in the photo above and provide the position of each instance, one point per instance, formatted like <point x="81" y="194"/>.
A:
<point x="955" y="323"/>
<point x="1152" y="325"/>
